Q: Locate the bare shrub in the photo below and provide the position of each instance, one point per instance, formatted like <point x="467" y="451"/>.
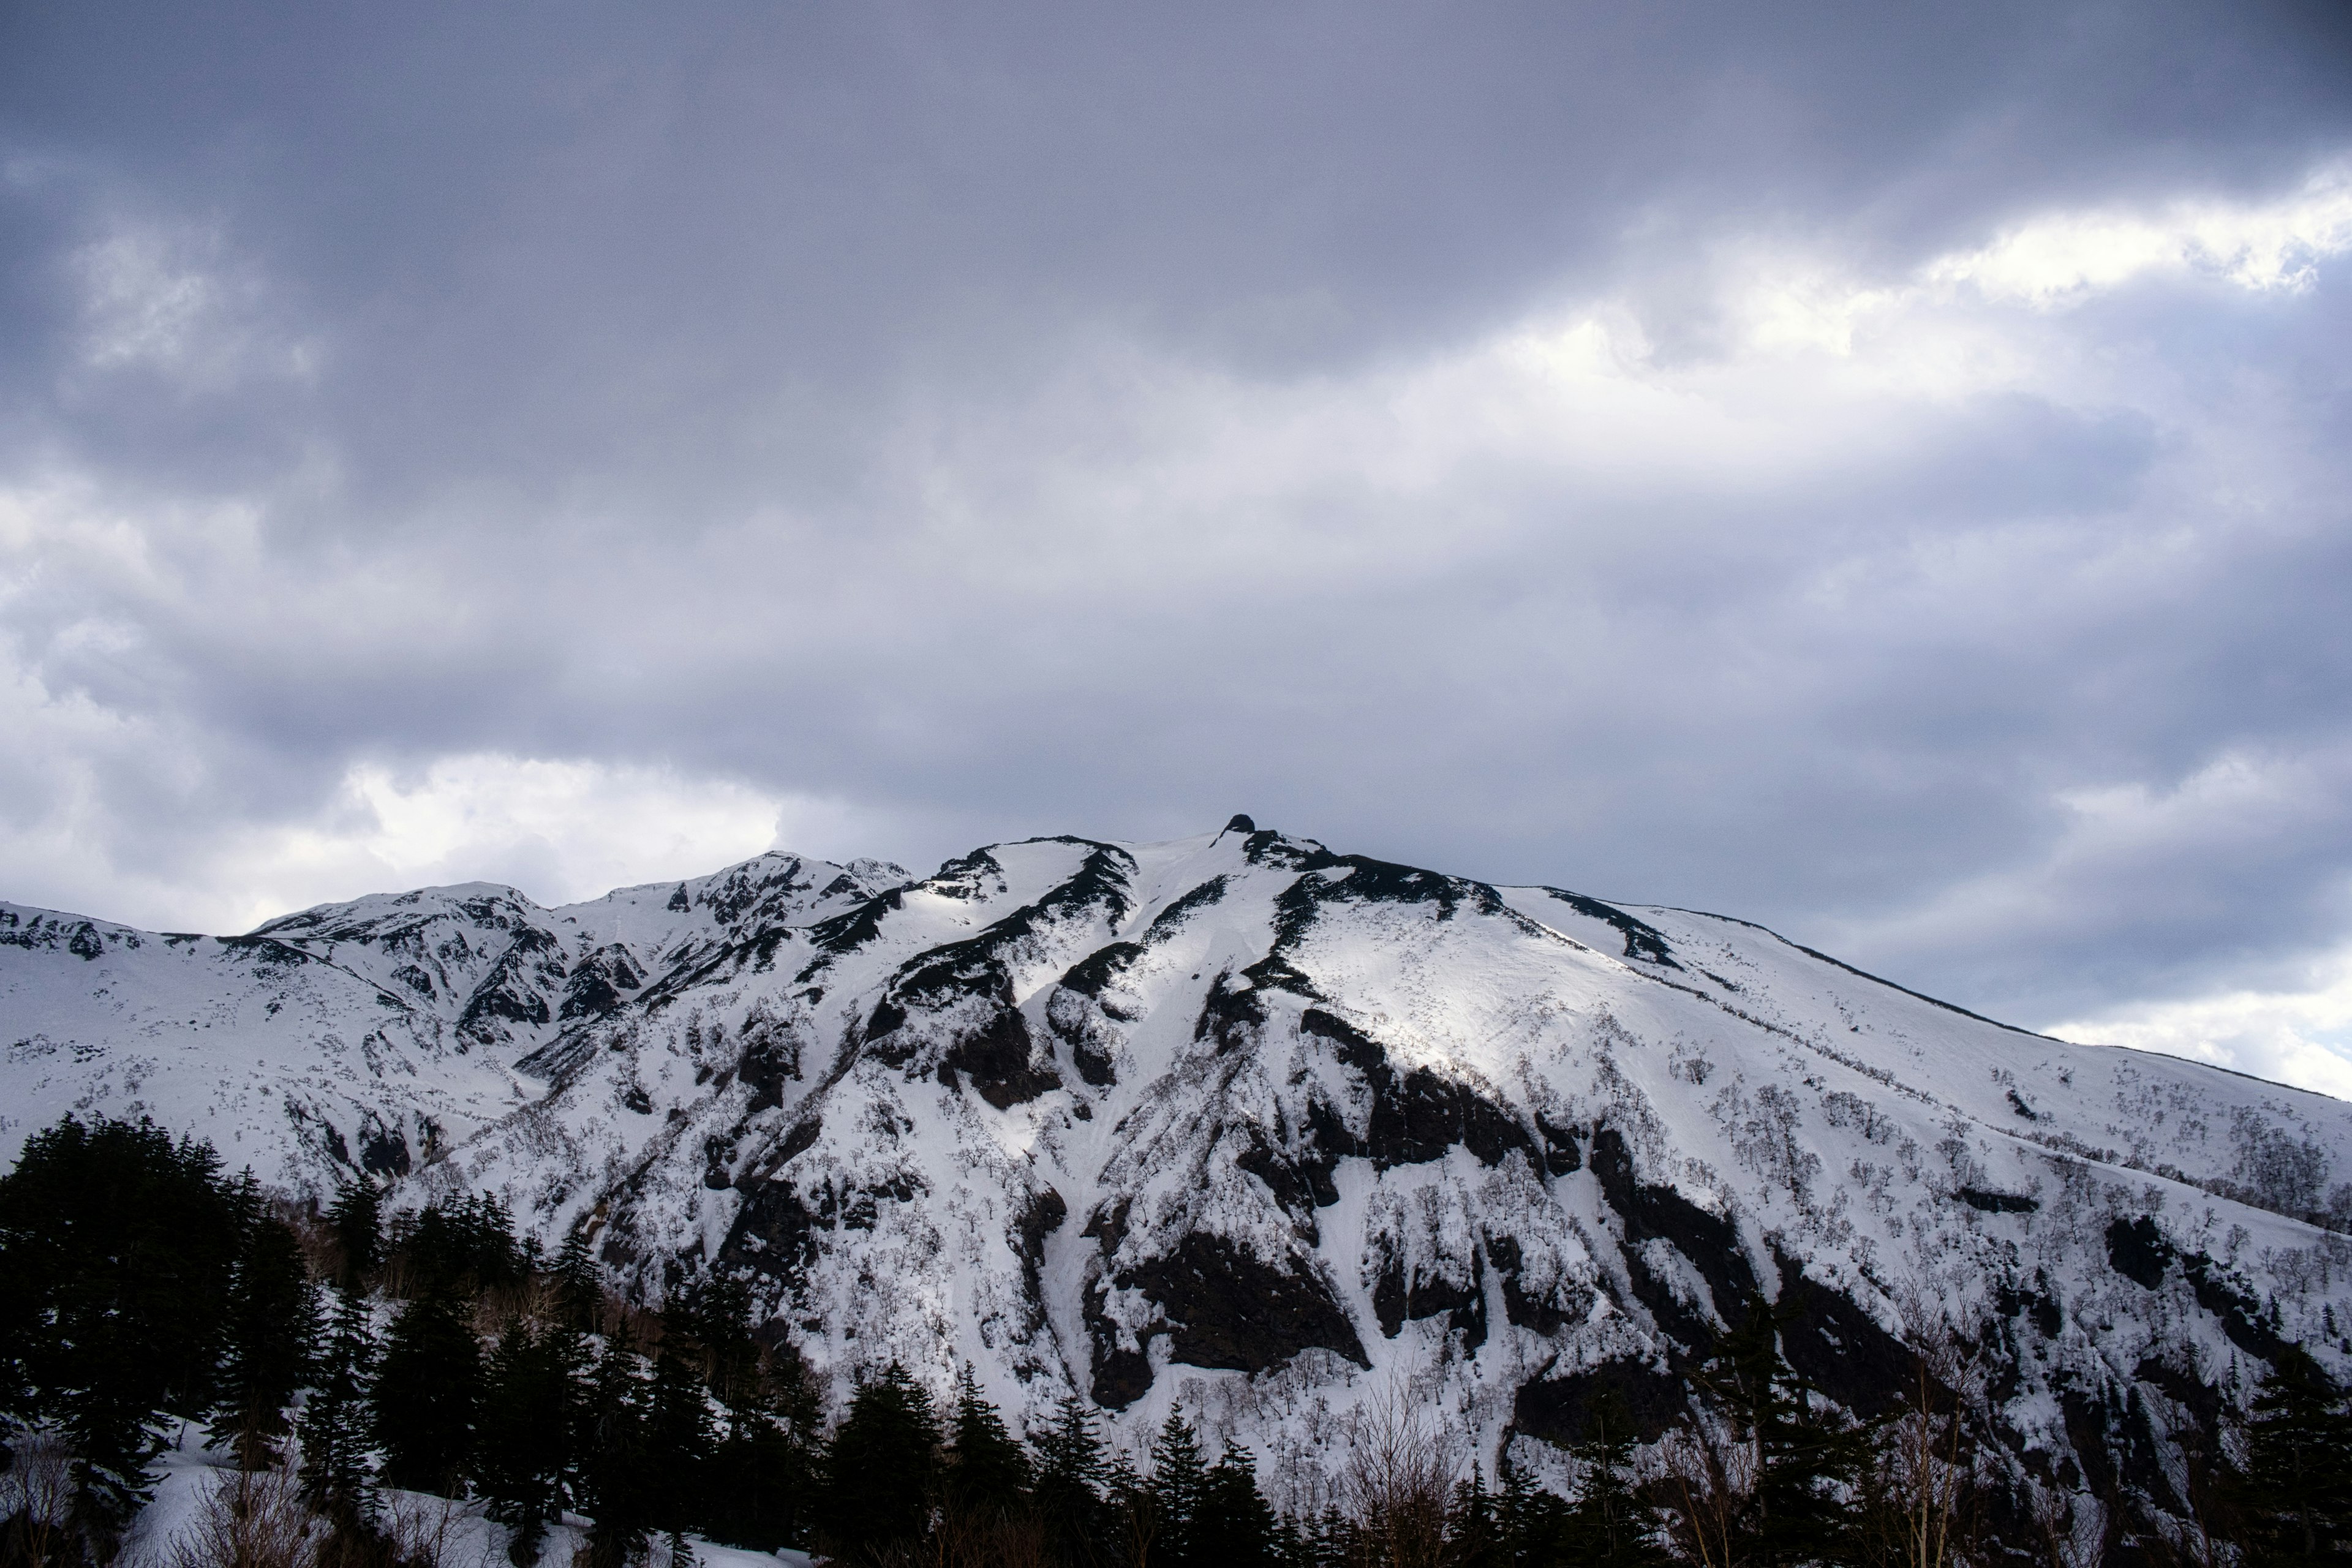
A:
<point x="1710" y="1477"/>
<point x="1925" y="1491"/>
<point x="426" y="1532"/>
<point x="1397" y="1482"/>
<point x="36" y="1505"/>
<point x="253" y="1519"/>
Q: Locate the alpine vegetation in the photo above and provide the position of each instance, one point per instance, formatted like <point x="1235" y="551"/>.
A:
<point x="1228" y="1200"/>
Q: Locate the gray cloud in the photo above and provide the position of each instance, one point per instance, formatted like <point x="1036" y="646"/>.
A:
<point x="1063" y="419"/>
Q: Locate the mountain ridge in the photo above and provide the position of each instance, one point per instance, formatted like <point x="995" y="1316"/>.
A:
<point x="1244" y="1122"/>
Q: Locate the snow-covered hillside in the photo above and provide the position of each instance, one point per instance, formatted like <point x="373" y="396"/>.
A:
<point x="1244" y="1122"/>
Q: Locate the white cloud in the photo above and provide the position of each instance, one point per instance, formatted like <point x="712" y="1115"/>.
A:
<point x="2301" y="1036"/>
<point x="2063" y="256"/>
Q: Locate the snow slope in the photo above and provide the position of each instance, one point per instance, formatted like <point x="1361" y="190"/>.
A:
<point x="1244" y="1122"/>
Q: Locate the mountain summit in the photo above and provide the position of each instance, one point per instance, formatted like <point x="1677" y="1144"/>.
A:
<point x="1242" y="1122"/>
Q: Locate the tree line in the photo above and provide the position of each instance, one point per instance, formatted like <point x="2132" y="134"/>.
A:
<point x="142" y="1292"/>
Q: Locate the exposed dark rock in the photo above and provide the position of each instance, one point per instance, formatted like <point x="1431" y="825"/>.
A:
<point x="638" y="1101"/>
<point x="774" y="1233"/>
<point x="1541" y="1311"/>
<point x="1240" y="823"/>
<point x="1659" y="1213"/>
<point x="1997" y="1202"/>
<point x="1561" y="1156"/>
<point x="1558" y="1409"/>
<point x="1397" y="1299"/>
<point x="2138" y="1251"/>
<point x="1837" y="1347"/>
<point x="1043" y="1215"/>
<point x="1227" y="1308"/>
<point x="996" y="1056"/>
<point x="1644" y="942"/>
<point x="383" y="1151"/>
<point x="1419" y="1117"/>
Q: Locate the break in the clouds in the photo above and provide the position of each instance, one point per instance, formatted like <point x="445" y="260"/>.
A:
<point x="1875" y="471"/>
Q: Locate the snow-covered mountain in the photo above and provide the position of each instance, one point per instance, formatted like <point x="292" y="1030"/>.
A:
<point x="1244" y="1122"/>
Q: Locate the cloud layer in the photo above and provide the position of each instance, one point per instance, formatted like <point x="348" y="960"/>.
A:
<point x="1879" y="474"/>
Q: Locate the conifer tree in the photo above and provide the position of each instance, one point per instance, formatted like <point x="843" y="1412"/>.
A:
<point x="1233" y="1525"/>
<point x="678" y="1445"/>
<point x="530" y="1414"/>
<point x="881" y="1469"/>
<point x="1177" y="1476"/>
<point x="577" y="1287"/>
<point x="334" y="1430"/>
<point x="1068" y="1491"/>
<point x="988" y="1470"/>
<point x="615" y="1489"/>
<point x="760" y="1472"/>
<point x="118" y="1239"/>
<point x="1800" y="1510"/>
<point x="1609" y="1526"/>
<point x="271" y="1313"/>
<point x="2294" y="1497"/>
<point x="427" y="1396"/>
<point x="356" y="1219"/>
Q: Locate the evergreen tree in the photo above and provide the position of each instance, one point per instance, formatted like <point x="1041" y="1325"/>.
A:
<point x="1068" y="1491"/>
<point x="881" y="1469"/>
<point x="116" y="1239"/>
<point x="530" y="1414"/>
<point x="356" y="1219"/>
<point x="271" y="1313"/>
<point x="334" y="1430"/>
<point x="578" y="1290"/>
<point x="1177" y="1476"/>
<point x="763" y="1468"/>
<point x="615" y="1489"/>
<point x="427" y="1395"/>
<point x="1800" y="1510"/>
<point x="1233" y="1525"/>
<point x="1609" y="1526"/>
<point x="2295" y="1498"/>
<point x="678" y="1444"/>
<point x="988" y="1470"/>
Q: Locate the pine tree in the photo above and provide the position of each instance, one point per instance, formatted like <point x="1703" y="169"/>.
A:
<point x="1177" y="1476"/>
<point x="881" y="1469"/>
<point x="1609" y="1526"/>
<point x="988" y="1471"/>
<point x="678" y="1444"/>
<point x="1233" y="1525"/>
<point x="577" y="1287"/>
<point x="615" y="1489"/>
<point x="356" y="1218"/>
<point x="1800" y="1510"/>
<point x="334" y="1430"/>
<point x="271" y="1321"/>
<point x="1068" y="1491"/>
<point x="530" y="1412"/>
<point x="2295" y="1498"/>
<point x="427" y="1395"/>
<point x="118" y="1239"/>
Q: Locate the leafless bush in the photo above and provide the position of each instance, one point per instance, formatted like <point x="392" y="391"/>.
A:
<point x="252" y="1518"/>
<point x="1397" y="1482"/>
<point x="36" y="1505"/>
<point x="1924" y="1488"/>
<point x="1710" y="1476"/>
<point x="428" y="1533"/>
<point x="972" y="1540"/>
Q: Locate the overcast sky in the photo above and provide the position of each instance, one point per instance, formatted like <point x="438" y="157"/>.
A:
<point x="1883" y="471"/>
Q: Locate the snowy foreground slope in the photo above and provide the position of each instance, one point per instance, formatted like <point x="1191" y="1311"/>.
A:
<point x="1244" y="1122"/>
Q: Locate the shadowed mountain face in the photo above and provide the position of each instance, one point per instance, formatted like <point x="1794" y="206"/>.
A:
<point x="1244" y="1122"/>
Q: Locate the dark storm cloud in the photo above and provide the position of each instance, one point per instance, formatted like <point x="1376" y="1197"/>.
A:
<point x="1015" y="420"/>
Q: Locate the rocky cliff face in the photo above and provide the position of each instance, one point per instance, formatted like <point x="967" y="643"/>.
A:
<point x="1244" y="1122"/>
